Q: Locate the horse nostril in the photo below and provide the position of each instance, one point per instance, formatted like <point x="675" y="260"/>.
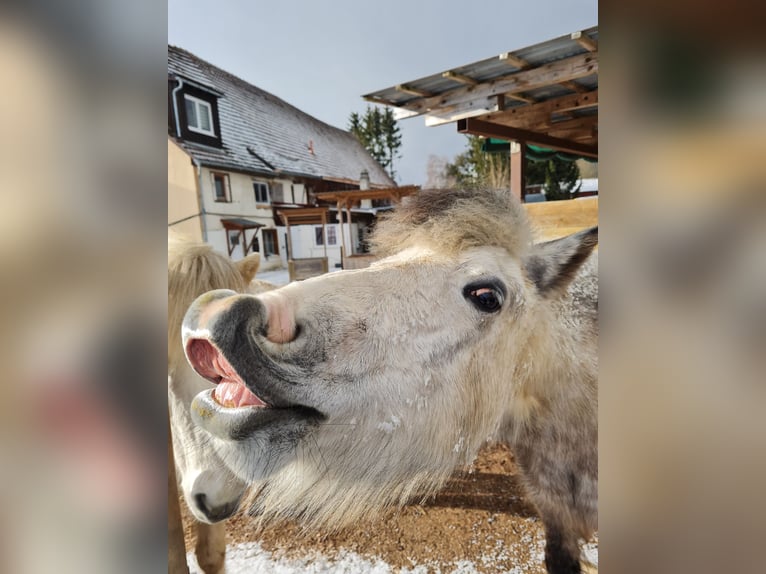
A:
<point x="200" y="501"/>
<point x="215" y="513"/>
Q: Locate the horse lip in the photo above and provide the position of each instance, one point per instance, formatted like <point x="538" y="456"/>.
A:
<point x="238" y="423"/>
<point x="197" y="347"/>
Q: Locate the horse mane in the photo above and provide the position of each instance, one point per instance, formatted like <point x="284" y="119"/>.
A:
<point x="453" y="220"/>
<point x="193" y="268"/>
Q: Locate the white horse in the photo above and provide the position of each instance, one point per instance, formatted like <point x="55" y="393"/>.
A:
<point x="211" y="491"/>
<point x="344" y="394"/>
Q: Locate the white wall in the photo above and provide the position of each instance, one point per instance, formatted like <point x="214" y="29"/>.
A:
<point x="304" y="243"/>
<point x="243" y="205"/>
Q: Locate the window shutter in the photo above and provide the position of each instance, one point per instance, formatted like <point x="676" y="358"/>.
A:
<point x="276" y="192"/>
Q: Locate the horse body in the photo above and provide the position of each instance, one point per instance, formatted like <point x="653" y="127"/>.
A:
<point x="211" y="490"/>
<point x="343" y="394"/>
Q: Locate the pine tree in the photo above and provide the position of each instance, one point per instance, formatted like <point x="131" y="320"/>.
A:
<point x="379" y="134"/>
<point x="475" y="167"/>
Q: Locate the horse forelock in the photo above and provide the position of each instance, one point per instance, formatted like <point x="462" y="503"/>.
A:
<point x="453" y="220"/>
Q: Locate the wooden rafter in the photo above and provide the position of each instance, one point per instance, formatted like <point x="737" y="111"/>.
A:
<point x="521" y="98"/>
<point x="552" y="73"/>
<point x="585" y="41"/>
<point x="515" y="61"/>
<point x="414" y="91"/>
<point x="487" y="129"/>
<point x="462" y="78"/>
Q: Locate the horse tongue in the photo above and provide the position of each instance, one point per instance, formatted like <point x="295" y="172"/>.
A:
<point x="234" y="394"/>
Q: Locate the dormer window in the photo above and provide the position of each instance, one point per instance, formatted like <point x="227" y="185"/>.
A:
<point x="199" y="115"/>
<point x="195" y="116"/>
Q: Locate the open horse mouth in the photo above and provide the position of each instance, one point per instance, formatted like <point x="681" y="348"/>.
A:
<point x="230" y="391"/>
<point x="231" y="410"/>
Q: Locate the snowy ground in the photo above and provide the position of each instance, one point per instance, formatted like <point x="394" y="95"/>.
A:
<point x="277" y="276"/>
<point x="250" y="558"/>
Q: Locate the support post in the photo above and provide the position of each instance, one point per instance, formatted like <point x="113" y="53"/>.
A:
<point x="324" y="233"/>
<point x="348" y="218"/>
<point x="518" y="169"/>
<point x="290" y="254"/>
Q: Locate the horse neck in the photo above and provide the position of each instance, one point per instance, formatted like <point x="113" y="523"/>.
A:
<point x="556" y="363"/>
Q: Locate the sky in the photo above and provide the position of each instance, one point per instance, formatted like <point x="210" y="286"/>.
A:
<point x="322" y="56"/>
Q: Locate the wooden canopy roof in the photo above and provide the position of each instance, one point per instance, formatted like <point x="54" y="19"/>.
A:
<point x="240" y="224"/>
<point x="546" y="94"/>
<point x="303" y="216"/>
<point x="351" y="197"/>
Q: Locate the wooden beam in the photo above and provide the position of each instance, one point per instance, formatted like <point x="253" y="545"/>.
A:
<point x="547" y="125"/>
<point x="572" y="133"/>
<point x="545" y="75"/>
<point x="576" y="88"/>
<point x="487" y="129"/>
<point x="542" y="111"/>
<point x="585" y="41"/>
<point x="574" y="123"/>
<point x="463" y="79"/>
<point x="514" y="61"/>
<point x="413" y="91"/>
<point x="454" y="113"/>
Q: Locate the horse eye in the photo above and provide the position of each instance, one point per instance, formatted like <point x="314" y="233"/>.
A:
<point x="486" y="299"/>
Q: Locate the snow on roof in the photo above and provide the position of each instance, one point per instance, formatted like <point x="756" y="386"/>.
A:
<point x="264" y="134"/>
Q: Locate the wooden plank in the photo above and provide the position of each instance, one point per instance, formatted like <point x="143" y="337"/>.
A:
<point x="515" y="61"/>
<point x="545" y="75"/>
<point x="487" y="129"/>
<point x="413" y="91"/>
<point x="463" y="79"/>
<point x="585" y="41"/>
<point x="553" y="219"/>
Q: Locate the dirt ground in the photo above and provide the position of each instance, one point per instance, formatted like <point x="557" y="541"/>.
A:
<point x="480" y="517"/>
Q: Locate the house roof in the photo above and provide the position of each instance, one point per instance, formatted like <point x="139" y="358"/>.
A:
<point x="264" y="134"/>
<point x="544" y="94"/>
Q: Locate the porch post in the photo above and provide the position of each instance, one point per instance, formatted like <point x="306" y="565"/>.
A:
<point x="518" y="169"/>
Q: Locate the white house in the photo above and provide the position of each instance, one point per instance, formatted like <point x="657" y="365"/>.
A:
<point x="251" y="155"/>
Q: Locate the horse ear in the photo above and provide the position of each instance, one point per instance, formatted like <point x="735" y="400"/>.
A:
<point x="552" y="265"/>
<point x="248" y="266"/>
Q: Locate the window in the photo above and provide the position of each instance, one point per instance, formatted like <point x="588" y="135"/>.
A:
<point x="261" y="192"/>
<point x="319" y="236"/>
<point x="199" y="115"/>
<point x="221" y="187"/>
<point x="270" y="246"/>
